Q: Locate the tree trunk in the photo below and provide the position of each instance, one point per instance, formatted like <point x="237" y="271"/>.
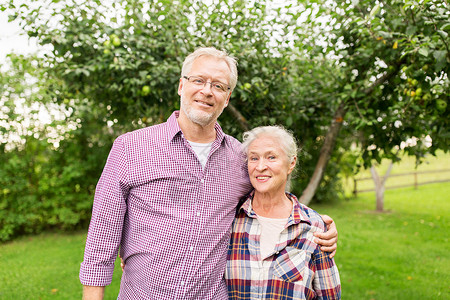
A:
<point x="380" y="186"/>
<point x="379" y="189"/>
<point x="333" y="131"/>
<point x="325" y="154"/>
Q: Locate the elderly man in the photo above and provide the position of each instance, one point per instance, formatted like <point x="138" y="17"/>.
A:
<point x="168" y="193"/>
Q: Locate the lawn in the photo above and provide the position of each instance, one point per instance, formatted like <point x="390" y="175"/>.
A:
<point x="45" y="267"/>
<point x="400" y="254"/>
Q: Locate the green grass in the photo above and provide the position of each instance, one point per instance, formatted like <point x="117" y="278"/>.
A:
<point x="400" y="254"/>
<point x="46" y="267"/>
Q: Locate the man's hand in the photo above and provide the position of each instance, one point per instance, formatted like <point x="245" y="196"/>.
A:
<point x="93" y="292"/>
<point x="328" y="240"/>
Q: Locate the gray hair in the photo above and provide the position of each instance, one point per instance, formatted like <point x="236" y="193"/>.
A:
<point x="211" y="51"/>
<point x="285" y="137"/>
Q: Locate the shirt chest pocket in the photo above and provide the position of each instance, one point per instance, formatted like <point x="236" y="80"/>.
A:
<point x="291" y="266"/>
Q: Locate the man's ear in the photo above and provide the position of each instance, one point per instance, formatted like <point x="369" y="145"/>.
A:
<point x="228" y="100"/>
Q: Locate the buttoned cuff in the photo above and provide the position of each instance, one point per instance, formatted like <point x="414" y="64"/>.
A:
<point x="95" y="275"/>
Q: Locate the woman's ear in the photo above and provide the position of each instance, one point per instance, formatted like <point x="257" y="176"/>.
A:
<point x="292" y="164"/>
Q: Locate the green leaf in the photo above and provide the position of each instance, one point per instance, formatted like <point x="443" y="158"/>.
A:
<point x="440" y="60"/>
<point x="12" y="17"/>
<point x="386" y="35"/>
<point x="411" y="30"/>
<point x="440" y="55"/>
<point x="423" y="51"/>
<point x="374" y="11"/>
<point x="443" y="33"/>
<point x="289" y="121"/>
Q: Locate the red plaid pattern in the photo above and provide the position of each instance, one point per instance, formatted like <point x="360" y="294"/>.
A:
<point x="297" y="269"/>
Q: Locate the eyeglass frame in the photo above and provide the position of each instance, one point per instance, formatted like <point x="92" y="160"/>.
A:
<point x="210" y="82"/>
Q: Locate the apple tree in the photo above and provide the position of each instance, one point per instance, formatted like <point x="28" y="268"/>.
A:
<point x="338" y="74"/>
<point x="392" y="80"/>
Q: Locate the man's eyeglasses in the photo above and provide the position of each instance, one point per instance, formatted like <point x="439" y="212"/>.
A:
<point x="216" y="86"/>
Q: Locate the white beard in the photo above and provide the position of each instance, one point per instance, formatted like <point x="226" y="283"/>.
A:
<point x="197" y="116"/>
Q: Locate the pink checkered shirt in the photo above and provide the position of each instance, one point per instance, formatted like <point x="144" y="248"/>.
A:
<point x="170" y="217"/>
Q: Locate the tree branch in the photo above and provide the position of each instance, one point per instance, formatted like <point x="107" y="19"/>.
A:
<point x="242" y="121"/>
<point x="385" y="77"/>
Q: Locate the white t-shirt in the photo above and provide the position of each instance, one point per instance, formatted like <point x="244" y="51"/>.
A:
<point x="202" y="151"/>
<point x="270" y="234"/>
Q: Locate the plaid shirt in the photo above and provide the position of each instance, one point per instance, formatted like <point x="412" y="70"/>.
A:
<point x="171" y="217"/>
<point x="296" y="269"/>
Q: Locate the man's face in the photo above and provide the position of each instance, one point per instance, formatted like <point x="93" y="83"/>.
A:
<point x="201" y="104"/>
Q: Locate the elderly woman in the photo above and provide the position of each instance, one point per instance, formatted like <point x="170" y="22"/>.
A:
<point x="272" y="254"/>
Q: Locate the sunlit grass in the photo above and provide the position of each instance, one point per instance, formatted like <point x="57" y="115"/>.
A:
<point x="400" y="254"/>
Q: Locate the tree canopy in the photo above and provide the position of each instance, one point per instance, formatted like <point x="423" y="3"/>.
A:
<point x="365" y="75"/>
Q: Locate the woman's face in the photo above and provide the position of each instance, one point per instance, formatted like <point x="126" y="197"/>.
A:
<point x="268" y="165"/>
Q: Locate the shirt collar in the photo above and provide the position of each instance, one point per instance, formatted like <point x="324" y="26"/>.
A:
<point x="297" y="215"/>
<point x="174" y="127"/>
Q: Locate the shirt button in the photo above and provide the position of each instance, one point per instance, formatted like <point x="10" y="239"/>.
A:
<point x="191" y="248"/>
<point x="198" y="214"/>
<point x="203" y="180"/>
<point x="182" y="283"/>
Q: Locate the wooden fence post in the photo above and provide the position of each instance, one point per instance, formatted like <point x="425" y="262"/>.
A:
<point x="415" y="180"/>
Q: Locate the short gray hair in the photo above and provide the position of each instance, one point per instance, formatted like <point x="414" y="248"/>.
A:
<point x="284" y="136"/>
<point x="211" y="51"/>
